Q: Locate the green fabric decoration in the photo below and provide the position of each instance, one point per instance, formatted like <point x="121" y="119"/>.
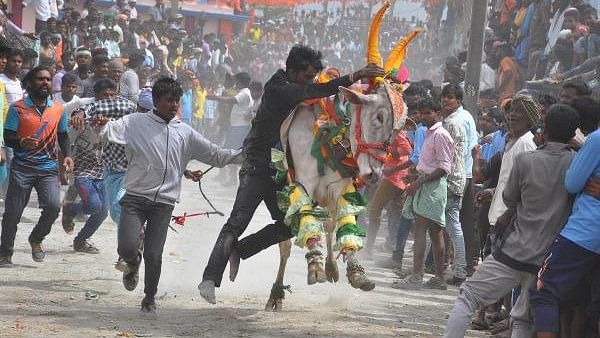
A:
<point x="351" y="229"/>
<point x="355" y="198"/>
<point x="278" y="163"/>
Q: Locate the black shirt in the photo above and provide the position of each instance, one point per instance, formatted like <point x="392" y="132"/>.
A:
<point x="280" y="97"/>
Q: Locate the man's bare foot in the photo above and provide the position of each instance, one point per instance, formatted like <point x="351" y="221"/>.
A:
<point x="234" y="265"/>
<point x="207" y="291"/>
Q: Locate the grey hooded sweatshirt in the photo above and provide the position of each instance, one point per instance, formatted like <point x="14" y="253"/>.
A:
<point x="158" y="153"/>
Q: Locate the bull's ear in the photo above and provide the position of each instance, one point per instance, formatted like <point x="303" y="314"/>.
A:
<point x="354" y="96"/>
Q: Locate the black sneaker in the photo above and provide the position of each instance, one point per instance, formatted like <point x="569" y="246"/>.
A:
<point x="5" y="261"/>
<point x="37" y="253"/>
<point x="130" y="277"/>
<point x="85" y="247"/>
<point x="148" y="306"/>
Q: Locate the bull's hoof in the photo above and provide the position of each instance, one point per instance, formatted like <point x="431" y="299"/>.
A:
<point x="275" y="302"/>
<point x="358" y="278"/>
<point x="331" y="270"/>
<point x="274" y="305"/>
<point x="316" y="273"/>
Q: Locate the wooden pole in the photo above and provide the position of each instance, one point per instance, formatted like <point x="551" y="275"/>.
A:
<point x="474" y="55"/>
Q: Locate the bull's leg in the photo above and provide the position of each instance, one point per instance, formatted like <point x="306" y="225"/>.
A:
<point x="308" y="221"/>
<point x="331" y="268"/>
<point x="275" y="302"/>
<point x="349" y="237"/>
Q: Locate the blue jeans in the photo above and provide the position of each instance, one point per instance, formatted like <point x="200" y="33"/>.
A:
<point x="113" y="186"/>
<point x="454" y="229"/>
<point x="402" y="231"/>
<point x="93" y="203"/>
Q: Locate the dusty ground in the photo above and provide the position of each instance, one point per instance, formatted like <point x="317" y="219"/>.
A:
<point x="49" y="299"/>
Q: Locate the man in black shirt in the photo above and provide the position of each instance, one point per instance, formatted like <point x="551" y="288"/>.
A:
<point x="282" y="93"/>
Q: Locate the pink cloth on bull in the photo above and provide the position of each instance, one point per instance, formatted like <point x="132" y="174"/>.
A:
<point x="438" y="150"/>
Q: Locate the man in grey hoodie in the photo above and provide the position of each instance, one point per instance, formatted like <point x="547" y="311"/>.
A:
<point x="158" y="147"/>
<point x="538" y="207"/>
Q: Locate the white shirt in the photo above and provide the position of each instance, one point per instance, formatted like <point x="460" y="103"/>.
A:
<point x="487" y="80"/>
<point x="523" y="144"/>
<point x="556" y="24"/>
<point x="241" y="112"/>
<point x="74" y="104"/>
<point x="44" y="9"/>
<point x="14" y="90"/>
<point x="133" y="14"/>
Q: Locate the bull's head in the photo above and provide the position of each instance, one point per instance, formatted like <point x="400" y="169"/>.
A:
<point x="382" y="112"/>
<point x="376" y="117"/>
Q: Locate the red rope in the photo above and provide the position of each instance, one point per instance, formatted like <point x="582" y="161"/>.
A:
<point x="180" y="220"/>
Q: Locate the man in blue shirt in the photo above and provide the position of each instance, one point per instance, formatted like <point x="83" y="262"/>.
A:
<point x="575" y="255"/>
<point x="494" y="140"/>
<point x="34" y="126"/>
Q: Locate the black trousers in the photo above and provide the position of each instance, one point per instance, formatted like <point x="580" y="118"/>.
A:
<point x="135" y="211"/>
<point x="255" y="187"/>
<point x="467" y="221"/>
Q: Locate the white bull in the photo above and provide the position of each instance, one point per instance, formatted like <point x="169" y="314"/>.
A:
<point x="371" y="128"/>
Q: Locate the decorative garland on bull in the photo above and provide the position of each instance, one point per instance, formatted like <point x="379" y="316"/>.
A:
<point x="334" y="148"/>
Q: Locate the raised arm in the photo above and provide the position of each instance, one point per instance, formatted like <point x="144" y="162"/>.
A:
<point x="301" y="92"/>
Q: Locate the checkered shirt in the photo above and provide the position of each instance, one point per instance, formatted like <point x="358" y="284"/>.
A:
<point x="113" y="154"/>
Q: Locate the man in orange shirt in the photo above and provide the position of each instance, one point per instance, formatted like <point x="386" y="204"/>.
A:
<point x="508" y="79"/>
<point x="389" y="193"/>
<point x="34" y="126"/>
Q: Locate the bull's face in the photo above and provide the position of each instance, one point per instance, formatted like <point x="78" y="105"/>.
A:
<point x="374" y="114"/>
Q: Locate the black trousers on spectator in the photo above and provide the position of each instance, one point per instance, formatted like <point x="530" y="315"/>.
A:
<point x="135" y="211"/>
<point x="255" y="186"/>
<point x="40" y="26"/>
<point x="483" y="225"/>
<point x="467" y="221"/>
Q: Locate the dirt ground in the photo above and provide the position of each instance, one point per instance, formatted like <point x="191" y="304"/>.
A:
<point x="80" y="295"/>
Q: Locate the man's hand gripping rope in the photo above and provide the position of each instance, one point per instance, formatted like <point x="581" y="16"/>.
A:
<point x="195" y="176"/>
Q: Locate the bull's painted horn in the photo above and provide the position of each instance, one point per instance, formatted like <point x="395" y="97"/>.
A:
<point x="398" y="54"/>
<point x="373" y="54"/>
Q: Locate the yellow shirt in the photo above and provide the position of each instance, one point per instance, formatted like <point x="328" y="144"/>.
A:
<point x="199" y="102"/>
<point x="4" y="107"/>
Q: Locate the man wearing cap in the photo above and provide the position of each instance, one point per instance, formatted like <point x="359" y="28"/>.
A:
<point x="522" y="115"/>
<point x="133" y="14"/>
